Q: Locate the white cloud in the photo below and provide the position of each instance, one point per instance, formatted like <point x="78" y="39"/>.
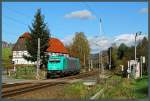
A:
<point x="82" y="14"/>
<point x="103" y="43"/>
<point x="143" y="10"/>
<point x="67" y="40"/>
<point x="128" y="39"/>
<point x="99" y="43"/>
<point x="96" y="44"/>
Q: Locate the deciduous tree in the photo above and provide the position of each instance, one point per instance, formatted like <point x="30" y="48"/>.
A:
<point x="80" y="47"/>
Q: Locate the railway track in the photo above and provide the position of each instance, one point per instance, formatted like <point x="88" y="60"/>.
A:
<point x="27" y="88"/>
<point x="81" y="75"/>
<point x="12" y="85"/>
<point x="10" y="90"/>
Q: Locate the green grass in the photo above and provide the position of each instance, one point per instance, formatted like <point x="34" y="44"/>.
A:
<point x="27" y="72"/>
<point x="141" y="87"/>
<point x="80" y="91"/>
<point x="6" y="52"/>
<point x="24" y="73"/>
<point x="115" y="87"/>
<point x="126" y="88"/>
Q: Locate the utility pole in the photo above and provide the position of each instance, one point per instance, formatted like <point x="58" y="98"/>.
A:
<point x="141" y="61"/>
<point x="135" y="47"/>
<point x="129" y="69"/>
<point x="110" y="59"/>
<point x="84" y="59"/>
<point x="138" y="33"/>
<point x="101" y="51"/>
<point x="91" y="64"/>
<point x="101" y="58"/>
<point x="38" y="59"/>
<point x="99" y="62"/>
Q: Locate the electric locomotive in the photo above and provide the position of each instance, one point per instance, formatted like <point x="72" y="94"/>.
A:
<point x="61" y="65"/>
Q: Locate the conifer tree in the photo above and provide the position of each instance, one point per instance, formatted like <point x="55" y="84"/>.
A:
<point x="40" y="30"/>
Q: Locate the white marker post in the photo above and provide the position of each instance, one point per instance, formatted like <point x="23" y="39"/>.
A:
<point x="142" y="61"/>
<point x="128" y="70"/>
<point x="14" y="66"/>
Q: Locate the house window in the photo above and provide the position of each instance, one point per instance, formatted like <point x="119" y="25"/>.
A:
<point x="14" y="53"/>
<point x="16" y="62"/>
<point x="17" y="53"/>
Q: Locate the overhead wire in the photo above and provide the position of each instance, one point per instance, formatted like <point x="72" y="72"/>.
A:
<point x="102" y="32"/>
<point x="98" y="18"/>
<point x="19" y="13"/>
<point x="15" y="20"/>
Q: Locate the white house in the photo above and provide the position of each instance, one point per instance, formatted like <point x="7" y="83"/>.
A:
<point x="19" y="50"/>
<point x="56" y="47"/>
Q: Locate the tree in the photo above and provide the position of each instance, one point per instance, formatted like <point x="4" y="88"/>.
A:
<point x="114" y="57"/>
<point x="40" y="30"/>
<point x="142" y="50"/>
<point x="114" y="61"/>
<point x="121" y="50"/>
<point x="80" y="47"/>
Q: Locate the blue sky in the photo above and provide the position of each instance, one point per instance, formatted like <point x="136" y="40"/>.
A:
<point x="119" y="20"/>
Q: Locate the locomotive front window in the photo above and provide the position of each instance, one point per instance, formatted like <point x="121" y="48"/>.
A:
<point x="54" y="61"/>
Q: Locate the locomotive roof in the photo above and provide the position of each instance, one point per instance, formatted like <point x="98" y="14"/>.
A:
<point x="64" y="57"/>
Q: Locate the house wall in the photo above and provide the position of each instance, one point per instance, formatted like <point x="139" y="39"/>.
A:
<point x="18" y="57"/>
<point x="56" y="54"/>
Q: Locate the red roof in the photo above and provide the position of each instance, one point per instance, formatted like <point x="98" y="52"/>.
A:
<point x="25" y="35"/>
<point x="56" y="46"/>
<point x="20" y="44"/>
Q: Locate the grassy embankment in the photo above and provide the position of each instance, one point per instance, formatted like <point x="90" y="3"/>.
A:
<point x="27" y="72"/>
<point x="127" y="89"/>
<point x="114" y="88"/>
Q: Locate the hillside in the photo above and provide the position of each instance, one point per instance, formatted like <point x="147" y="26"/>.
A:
<point x="6" y="44"/>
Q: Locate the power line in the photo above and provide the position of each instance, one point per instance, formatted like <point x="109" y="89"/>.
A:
<point x="14" y="20"/>
<point x="98" y="18"/>
<point x="87" y="5"/>
<point x="19" y="13"/>
<point x="10" y="35"/>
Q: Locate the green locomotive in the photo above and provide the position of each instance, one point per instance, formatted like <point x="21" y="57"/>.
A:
<point x="62" y="65"/>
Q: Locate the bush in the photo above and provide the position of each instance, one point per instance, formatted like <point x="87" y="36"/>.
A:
<point x="25" y="72"/>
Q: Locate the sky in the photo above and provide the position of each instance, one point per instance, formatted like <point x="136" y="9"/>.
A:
<point x="120" y="21"/>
